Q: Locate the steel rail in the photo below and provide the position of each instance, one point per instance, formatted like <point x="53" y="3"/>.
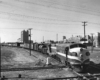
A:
<point x="31" y="68"/>
<point x="95" y="66"/>
<point x="90" y="76"/>
<point x="53" y="78"/>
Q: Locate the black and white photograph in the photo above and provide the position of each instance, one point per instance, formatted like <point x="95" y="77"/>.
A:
<point x="49" y="39"/>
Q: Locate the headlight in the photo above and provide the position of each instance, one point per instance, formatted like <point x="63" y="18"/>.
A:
<point x="81" y="49"/>
<point x="87" y="53"/>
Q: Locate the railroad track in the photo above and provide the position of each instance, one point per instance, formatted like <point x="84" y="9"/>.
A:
<point x="82" y="76"/>
<point x="95" y="66"/>
<point x="31" y="68"/>
<point x="86" y="76"/>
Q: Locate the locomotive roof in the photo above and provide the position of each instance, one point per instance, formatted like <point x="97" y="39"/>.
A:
<point x="67" y="44"/>
<point x="64" y="45"/>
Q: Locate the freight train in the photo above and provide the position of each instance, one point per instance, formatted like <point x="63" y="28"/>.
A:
<point x="74" y="55"/>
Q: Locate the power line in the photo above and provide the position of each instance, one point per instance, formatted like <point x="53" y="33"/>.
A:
<point x="71" y="6"/>
<point x="32" y="22"/>
<point x="63" y="20"/>
<point x="56" y="7"/>
<point x="31" y="10"/>
<point x="34" y="17"/>
<point x="45" y="22"/>
<point x="48" y="23"/>
<point x="35" y="22"/>
<point x="53" y="3"/>
<point x="94" y="23"/>
<point x="43" y="13"/>
<point x="55" y="19"/>
<point x="43" y="30"/>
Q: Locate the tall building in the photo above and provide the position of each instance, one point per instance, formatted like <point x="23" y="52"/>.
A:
<point x="64" y="39"/>
<point x="98" y="39"/>
<point x="25" y="36"/>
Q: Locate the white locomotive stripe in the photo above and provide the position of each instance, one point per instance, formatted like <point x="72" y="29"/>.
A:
<point x="73" y="57"/>
<point x="53" y="47"/>
<point x="74" y="63"/>
<point x="62" y="54"/>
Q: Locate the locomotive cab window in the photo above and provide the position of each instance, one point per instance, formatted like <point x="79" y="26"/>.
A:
<point x="73" y="46"/>
<point x="78" y="45"/>
<point x="83" y="46"/>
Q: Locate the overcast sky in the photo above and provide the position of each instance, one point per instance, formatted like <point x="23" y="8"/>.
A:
<point x="48" y="18"/>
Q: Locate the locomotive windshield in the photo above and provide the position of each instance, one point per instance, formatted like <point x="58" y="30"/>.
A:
<point x="82" y="45"/>
<point x="78" y="45"/>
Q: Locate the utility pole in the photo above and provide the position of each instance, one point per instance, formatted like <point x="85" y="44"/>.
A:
<point x="30" y="39"/>
<point x="84" y="24"/>
<point x="0" y="57"/>
<point x="57" y="37"/>
<point x="92" y="42"/>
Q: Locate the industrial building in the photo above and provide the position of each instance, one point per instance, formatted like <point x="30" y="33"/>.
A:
<point x="98" y="39"/>
<point x="25" y="36"/>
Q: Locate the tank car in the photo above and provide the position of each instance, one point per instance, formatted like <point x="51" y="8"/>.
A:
<point x="75" y="55"/>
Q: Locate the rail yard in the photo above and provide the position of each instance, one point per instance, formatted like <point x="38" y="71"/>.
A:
<point x="18" y="63"/>
<point x="49" y="39"/>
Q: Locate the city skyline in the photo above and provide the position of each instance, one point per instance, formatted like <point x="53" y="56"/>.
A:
<point x="48" y="18"/>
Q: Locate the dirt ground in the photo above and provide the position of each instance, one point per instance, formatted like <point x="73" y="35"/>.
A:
<point x="48" y="73"/>
<point x="22" y="59"/>
<point x="19" y="58"/>
<point x="95" y="54"/>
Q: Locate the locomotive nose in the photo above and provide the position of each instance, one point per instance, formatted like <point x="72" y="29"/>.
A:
<point x="81" y="49"/>
<point x="81" y="56"/>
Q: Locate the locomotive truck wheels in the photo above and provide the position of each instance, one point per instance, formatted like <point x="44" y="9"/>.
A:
<point x="85" y="67"/>
<point x="77" y="68"/>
